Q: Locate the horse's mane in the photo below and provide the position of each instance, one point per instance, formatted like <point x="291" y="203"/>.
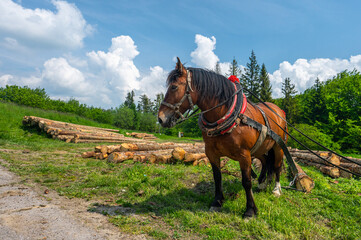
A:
<point x="211" y="86"/>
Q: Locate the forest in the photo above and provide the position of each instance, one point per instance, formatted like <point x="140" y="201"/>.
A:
<point x="329" y="112"/>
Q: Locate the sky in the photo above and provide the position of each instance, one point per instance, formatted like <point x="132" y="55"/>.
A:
<point x="97" y="51"/>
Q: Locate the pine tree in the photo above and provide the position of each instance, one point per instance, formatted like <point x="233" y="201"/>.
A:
<point x="144" y="104"/>
<point x="129" y="100"/>
<point x="266" y="88"/>
<point x="234" y="69"/>
<point x="157" y="103"/>
<point x="217" y="68"/>
<point x="250" y="78"/>
<point x="289" y="103"/>
<point x="317" y="107"/>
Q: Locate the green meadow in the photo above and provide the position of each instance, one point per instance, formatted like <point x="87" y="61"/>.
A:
<point x="172" y="201"/>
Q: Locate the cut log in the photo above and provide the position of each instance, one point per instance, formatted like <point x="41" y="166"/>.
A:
<point x="302" y="181"/>
<point x="160" y="157"/>
<point x="140" y="158"/>
<point x="104" y="149"/>
<point x="354" y="159"/>
<point x="332" y="158"/>
<point x="178" y="153"/>
<point x="113" y="148"/>
<point x="203" y="161"/>
<point x="88" y="154"/>
<point x="118" y="157"/>
<point x="75" y="140"/>
<point x="224" y="162"/>
<point x="352" y="167"/>
<point x="345" y="174"/>
<point x="330" y="171"/>
<point x="191" y="157"/>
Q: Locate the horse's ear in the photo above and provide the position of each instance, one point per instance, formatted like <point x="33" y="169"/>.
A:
<point x="179" y="66"/>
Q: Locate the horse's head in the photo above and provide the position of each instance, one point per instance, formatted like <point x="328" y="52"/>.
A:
<point x="179" y="97"/>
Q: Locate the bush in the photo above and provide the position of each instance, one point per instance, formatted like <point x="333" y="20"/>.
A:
<point x="315" y="134"/>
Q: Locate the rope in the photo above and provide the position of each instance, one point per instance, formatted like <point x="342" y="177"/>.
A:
<point x="344" y="169"/>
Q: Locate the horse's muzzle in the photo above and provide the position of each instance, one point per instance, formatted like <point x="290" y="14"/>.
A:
<point x="167" y="122"/>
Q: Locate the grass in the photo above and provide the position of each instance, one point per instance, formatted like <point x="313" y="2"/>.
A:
<point x="172" y="201"/>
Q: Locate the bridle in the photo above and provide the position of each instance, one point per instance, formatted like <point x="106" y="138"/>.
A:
<point x="191" y="112"/>
<point x="187" y="95"/>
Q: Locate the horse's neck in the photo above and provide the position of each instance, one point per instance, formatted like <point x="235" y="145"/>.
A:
<point x="215" y="114"/>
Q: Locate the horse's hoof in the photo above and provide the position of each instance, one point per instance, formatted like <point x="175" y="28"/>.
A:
<point x="250" y="213"/>
<point x="277" y="190"/>
<point x="262" y="186"/>
<point x="215" y="209"/>
<point x="276" y="193"/>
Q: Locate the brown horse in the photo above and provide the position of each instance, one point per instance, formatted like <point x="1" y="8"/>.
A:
<point x="207" y="89"/>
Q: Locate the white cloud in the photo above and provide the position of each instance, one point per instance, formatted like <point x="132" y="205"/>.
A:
<point x="303" y="72"/>
<point x="59" y="77"/>
<point x="8" y="79"/>
<point x="154" y="83"/>
<point x="42" y="28"/>
<point x="100" y="79"/>
<point x="117" y="64"/>
<point x="203" y="56"/>
<point x="5" y="80"/>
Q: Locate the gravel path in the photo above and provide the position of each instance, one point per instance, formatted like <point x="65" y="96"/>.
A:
<point x="26" y="212"/>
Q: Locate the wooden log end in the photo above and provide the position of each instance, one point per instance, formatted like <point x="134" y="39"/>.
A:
<point x="304" y="183"/>
<point x="178" y="153"/>
<point x="88" y="154"/>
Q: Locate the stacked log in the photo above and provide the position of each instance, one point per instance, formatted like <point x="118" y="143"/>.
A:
<point x="309" y="159"/>
<point x="145" y="136"/>
<point x="151" y="152"/>
<point x="75" y="133"/>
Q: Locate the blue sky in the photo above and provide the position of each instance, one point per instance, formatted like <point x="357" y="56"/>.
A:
<point x="96" y="51"/>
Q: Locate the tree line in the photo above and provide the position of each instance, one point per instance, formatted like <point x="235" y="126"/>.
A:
<point x="141" y="116"/>
<point x="330" y="111"/>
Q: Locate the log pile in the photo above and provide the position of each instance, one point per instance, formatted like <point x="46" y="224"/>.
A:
<point x="309" y="159"/>
<point x="151" y="152"/>
<point x="145" y="136"/>
<point x="75" y="133"/>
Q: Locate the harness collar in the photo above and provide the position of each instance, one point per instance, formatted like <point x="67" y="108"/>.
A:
<point x="228" y="121"/>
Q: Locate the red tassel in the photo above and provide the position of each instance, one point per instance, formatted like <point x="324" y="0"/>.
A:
<point x="233" y="78"/>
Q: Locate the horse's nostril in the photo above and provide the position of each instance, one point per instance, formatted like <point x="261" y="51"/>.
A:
<point x="160" y="120"/>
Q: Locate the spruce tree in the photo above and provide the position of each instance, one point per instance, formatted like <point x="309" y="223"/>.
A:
<point x="318" y="109"/>
<point x="234" y="69"/>
<point x="217" y="68"/>
<point x="157" y="103"/>
<point x="129" y="100"/>
<point x="289" y="103"/>
<point x="144" y="104"/>
<point x="266" y="88"/>
<point x="250" y="78"/>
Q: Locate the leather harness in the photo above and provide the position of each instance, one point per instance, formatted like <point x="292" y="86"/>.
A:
<point x="234" y="117"/>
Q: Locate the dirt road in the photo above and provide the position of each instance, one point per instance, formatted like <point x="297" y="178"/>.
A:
<point x="26" y="212"/>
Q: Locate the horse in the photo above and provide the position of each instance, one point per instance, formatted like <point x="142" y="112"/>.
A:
<point x="215" y="95"/>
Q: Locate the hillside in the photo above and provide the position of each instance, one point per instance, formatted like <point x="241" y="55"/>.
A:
<point x="172" y="201"/>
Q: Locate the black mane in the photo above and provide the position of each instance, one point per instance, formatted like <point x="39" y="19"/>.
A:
<point x="210" y="85"/>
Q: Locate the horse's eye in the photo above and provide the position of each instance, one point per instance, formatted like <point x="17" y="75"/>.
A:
<point x="174" y="88"/>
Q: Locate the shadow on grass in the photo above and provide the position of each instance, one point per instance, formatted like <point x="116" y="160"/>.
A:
<point x="195" y="199"/>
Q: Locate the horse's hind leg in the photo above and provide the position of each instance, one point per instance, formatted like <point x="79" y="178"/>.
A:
<point x="262" y="184"/>
<point x="277" y="169"/>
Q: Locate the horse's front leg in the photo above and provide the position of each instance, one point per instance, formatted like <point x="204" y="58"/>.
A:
<point x="216" y="168"/>
<point x="245" y="164"/>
